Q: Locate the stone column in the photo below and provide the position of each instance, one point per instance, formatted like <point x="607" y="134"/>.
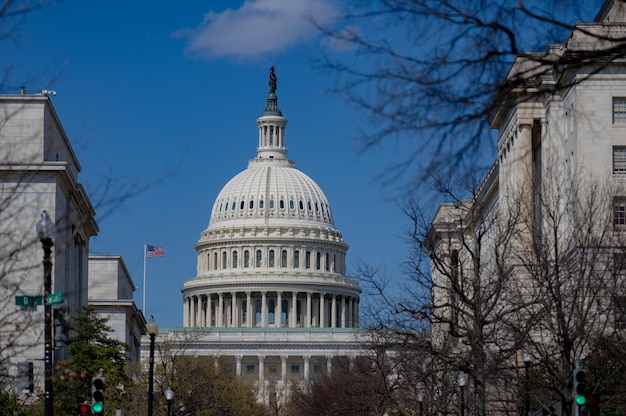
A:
<point x="261" y="368"/>
<point x="234" y="312"/>
<point x="249" y="309"/>
<point x="294" y="309"/>
<point x="278" y="310"/>
<point x="343" y="311"/>
<point x="220" y="310"/>
<point x="283" y="367"/>
<point x="333" y="312"/>
<point x="238" y="358"/>
<point x="264" y="309"/>
<point x="307" y="359"/>
<point x="308" y="309"/>
<point x="329" y="364"/>
<point x="322" y="322"/>
<point x="185" y="312"/>
<point x="198" y="311"/>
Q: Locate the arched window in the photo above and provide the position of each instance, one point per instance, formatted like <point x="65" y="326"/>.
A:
<point x="242" y="204"/>
<point x="215" y="263"/>
<point x="246" y="258"/>
<point x="234" y="205"/>
<point x="258" y="258"/>
<point x="208" y="261"/>
<point x="235" y="259"/>
<point x="301" y="205"/>
<point x="327" y="263"/>
<point x="224" y="262"/>
<point x="281" y="204"/>
<point x="271" y="258"/>
<point x="318" y="258"/>
<point x="272" y="203"/>
<point x="308" y="204"/>
<point x="244" y="309"/>
<point x="260" y="203"/>
<point x="251" y="204"/>
<point x="283" y="258"/>
<point x="298" y="311"/>
<point x="307" y="260"/>
<point x="291" y="204"/>
<point x="296" y="259"/>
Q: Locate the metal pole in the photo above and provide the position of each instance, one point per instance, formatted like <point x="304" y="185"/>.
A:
<point x="527" y="390"/>
<point x="462" y="401"/>
<point x="151" y="375"/>
<point x="47" y="244"/>
<point x="169" y="408"/>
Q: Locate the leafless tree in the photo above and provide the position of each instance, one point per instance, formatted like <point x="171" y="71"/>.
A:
<point x="426" y="73"/>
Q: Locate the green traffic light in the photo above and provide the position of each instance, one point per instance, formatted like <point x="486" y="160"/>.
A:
<point x="97" y="407"/>
<point x="581" y="400"/>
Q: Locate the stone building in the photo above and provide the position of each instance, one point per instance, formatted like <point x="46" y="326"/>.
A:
<point x="548" y="217"/>
<point x="271" y="293"/>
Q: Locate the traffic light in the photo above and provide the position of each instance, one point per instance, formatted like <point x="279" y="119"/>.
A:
<point x="580" y="386"/>
<point x="84" y="409"/>
<point x="97" y="394"/>
<point x="25" y="379"/>
<point x="61" y="325"/>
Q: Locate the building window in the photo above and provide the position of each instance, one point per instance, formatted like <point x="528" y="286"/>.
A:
<point x="295" y="368"/>
<point x="246" y="258"/>
<point x="307" y="260"/>
<point x="271" y="307"/>
<point x="318" y="260"/>
<point x="271" y="258"/>
<point x="235" y="259"/>
<point x="283" y="258"/>
<point x="249" y="368"/>
<point x="215" y="261"/>
<point x="258" y="258"/>
<point x="327" y="262"/>
<point x="224" y="262"/>
<point x="296" y="259"/>
<point x="317" y="368"/>
<point x="619" y="110"/>
<point x="619" y="211"/>
<point x="619" y="159"/>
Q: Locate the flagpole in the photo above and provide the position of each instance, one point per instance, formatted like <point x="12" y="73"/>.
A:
<point x="144" y="279"/>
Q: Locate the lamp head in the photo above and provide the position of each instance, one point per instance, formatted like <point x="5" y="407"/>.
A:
<point x="152" y="327"/>
<point x="45" y="226"/>
<point x="462" y="379"/>
<point x="169" y="394"/>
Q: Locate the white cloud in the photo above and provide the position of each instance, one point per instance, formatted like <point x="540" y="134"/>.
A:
<point x="258" y="27"/>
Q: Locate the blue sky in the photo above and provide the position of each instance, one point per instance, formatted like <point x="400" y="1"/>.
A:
<point x="146" y="88"/>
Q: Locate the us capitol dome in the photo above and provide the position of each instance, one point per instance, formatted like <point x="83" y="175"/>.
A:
<point x="271" y="287"/>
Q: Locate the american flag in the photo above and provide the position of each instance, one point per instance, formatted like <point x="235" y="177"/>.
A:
<point x="155" y="251"/>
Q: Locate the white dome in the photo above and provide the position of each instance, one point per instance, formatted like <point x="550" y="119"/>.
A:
<point x="270" y="191"/>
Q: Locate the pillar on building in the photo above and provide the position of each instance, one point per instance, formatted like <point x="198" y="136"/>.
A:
<point x="333" y="312"/>
<point x="278" y="310"/>
<point x="322" y="322"/>
<point x="307" y="360"/>
<point x="308" y="309"/>
<point x="329" y="364"/>
<point x="234" y="310"/>
<point x="220" y="310"/>
<point x="249" y="309"/>
<point x="283" y="367"/>
<point x="264" y="309"/>
<point x="343" y="311"/>
<point x="185" y="312"/>
<point x="294" y="309"/>
<point x="238" y="358"/>
<point x="261" y="359"/>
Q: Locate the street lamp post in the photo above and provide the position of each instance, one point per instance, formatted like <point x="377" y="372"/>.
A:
<point x="462" y="381"/>
<point x="420" y="398"/>
<point x="45" y="231"/>
<point x="526" y="357"/>
<point x="169" y="396"/>
<point x="153" y="330"/>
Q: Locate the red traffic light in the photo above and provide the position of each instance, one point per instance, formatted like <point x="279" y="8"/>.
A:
<point x="84" y="409"/>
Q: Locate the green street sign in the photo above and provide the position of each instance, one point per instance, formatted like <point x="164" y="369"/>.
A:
<point x="28" y="302"/>
<point x="54" y="298"/>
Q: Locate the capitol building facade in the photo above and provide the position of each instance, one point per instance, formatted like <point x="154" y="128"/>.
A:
<point x="271" y="293"/>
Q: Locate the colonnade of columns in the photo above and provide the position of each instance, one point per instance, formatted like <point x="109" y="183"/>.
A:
<point x="299" y="367"/>
<point x="290" y="309"/>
